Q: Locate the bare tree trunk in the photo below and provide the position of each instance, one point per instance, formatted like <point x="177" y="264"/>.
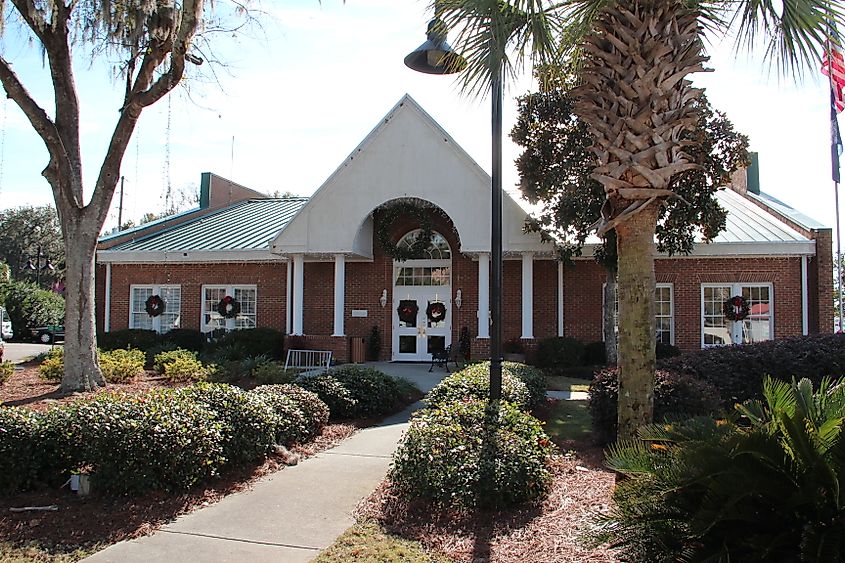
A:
<point x="609" y="319"/>
<point x="82" y="373"/>
<point x="635" y="246"/>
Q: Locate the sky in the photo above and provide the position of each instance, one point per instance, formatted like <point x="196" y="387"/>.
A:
<point x="298" y="95"/>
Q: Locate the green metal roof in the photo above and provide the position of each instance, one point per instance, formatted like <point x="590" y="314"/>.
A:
<point x="248" y="225"/>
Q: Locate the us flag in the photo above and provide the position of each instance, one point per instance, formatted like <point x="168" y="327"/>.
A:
<point x="833" y="65"/>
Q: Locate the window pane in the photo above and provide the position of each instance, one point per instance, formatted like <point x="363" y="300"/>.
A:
<point x="139" y="317"/>
<point x="212" y="320"/>
<point x="170" y="319"/>
<point x="248" y="301"/>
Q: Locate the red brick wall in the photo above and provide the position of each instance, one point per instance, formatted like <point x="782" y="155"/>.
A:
<point x="269" y="279"/>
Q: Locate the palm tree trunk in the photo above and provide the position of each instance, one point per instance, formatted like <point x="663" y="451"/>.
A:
<point x="80" y="354"/>
<point x="635" y="246"/>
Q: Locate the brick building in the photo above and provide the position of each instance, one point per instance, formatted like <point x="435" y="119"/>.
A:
<point x="315" y="267"/>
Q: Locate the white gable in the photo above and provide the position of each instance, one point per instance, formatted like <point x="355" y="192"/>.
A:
<point x="407" y="155"/>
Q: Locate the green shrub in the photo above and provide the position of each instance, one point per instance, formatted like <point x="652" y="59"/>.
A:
<point x="595" y="354"/>
<point x="375" y="393"/>
<point x="225" y="372"/>
<point x="253" y="342"/>
<point x="663" y="351"/>
<point x="676" y="396"/>
<point x="19" y="451"/>
<point x="162" y="359"/>
<point x="290" y="424"/>
<point x="737" y="371"/>
<point x="332" y="392"/>
<point x="315" y="411"/>
<point x="270" y="373"/>
<point x="136" y="338"/>
<point x="251" y="363"/>
<point x="186" y="339"/>
<point x="440" y="457"/>
<point x="28" y="307"/>
<point x="121" y="366"/>
<point x="52" y="368"/>
<point x="159" y="440"/>
<point x="247" y="423"/>
<point x="522" y="385"/>
<point x="183" y="368"/>
<point x="7" y="368"/>
<point x="767" y="489"/>
<point x="559" y="352"/>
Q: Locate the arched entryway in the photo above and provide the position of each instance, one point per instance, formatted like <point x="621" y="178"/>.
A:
<point x="422" y="301"/>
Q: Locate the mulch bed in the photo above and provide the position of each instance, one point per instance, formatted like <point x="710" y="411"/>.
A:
<point x="543" y="533"/>
<point x="100" y="519"/>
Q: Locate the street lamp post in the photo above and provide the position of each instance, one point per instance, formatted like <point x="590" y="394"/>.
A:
<point x="435" y="56"/>
<point x="37" y="267"/>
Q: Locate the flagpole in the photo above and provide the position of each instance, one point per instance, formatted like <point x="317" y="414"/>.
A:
<point x="834" y="162"/>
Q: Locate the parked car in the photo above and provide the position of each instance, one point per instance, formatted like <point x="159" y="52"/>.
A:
<point x="48" y="334"/>
<point x="5" y="325"/>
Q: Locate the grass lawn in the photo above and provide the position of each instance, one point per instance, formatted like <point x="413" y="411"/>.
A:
<point x="563" y="383"/>
<point x="368" y="542"/>
<point x="568" y="420"/>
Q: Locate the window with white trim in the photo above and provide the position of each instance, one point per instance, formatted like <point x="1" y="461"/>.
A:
<point x="716" y="330"/>
<point x="664" y="313"/>
<point x="245" y="295"/>
<point x="169" y="319"/>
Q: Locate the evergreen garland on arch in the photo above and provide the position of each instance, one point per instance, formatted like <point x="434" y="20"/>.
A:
<point x="393" y="211"/>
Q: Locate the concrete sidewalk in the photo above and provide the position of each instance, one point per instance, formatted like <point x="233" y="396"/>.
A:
<point x="287" y="517"/>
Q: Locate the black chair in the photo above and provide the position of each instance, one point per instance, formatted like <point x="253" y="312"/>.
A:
<point x="441" y="358"/>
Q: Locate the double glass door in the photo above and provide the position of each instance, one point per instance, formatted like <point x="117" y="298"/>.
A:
<point x="421" y="322"/>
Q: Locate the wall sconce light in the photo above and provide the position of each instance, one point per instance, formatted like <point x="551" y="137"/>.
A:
<point x="383" y="299"/>
<point x="458" y="299"/>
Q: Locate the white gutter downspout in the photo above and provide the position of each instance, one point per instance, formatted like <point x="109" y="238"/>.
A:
<point x="289" y="296"/>
<point x="805" y="307"/>
<point x="560" y="298"/>
<point x="107" y="313"/>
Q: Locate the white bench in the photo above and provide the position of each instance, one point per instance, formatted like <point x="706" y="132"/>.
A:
<point x="309" y="360"/>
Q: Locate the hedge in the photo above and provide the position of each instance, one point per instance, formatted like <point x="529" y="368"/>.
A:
<point x="522" y="385"/>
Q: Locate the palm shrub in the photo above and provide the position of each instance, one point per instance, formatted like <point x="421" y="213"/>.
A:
<point x="762" y="485"/>
<point x="122" y="366"/>
<point x="273" y="373"/>
<point x="446" y="451"/>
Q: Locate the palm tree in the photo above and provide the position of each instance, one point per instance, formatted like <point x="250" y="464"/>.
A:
<point x="634" y="58"/>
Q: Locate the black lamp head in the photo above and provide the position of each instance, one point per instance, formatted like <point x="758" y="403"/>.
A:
<point x="435" y="56"/>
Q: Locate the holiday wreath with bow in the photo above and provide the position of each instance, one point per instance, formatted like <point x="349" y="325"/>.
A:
<point x="736" y="308"/>
<point x="436" y="311"/>
<point x="228" y="307"/>
<point x="155" y="305"/>
<point x="407" y="311"/>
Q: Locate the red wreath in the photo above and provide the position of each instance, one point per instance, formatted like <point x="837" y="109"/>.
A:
<point x="436" y="312"/>
<point x="155" y="305"/>
<point x="407" y="311"/>
<point x="228" y="307"/>
<point x="736" y="308"/>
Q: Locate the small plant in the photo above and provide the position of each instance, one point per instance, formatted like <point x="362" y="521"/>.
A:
<point x="251" y="363"/>
<point x="121" y="366"/>
<point x="374" y="344"/>
<point x="269" y="373"/>
<point x="559" y="352"/>
<point x="162" y="359"/>
<point x="442" y="457"/>
<point x="7" y="368"/>
<point x="465" y="343"/>
<point x="52" y="368"/>
<point x="183" y="369"/>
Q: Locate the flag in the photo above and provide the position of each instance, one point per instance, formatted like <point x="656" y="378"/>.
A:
<point x="835" y="140"/>
<point x="833" y="66"/>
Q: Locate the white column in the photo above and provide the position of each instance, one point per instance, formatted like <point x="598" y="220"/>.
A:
<point x="560" y="298"/>
<point x="107" y="311"/>
<point x="805" y="305"/>
<point x="483" y="295"/>
<point x="339" y="292"/>
<point x="528" y="295"/>
<point x="289" y="296"/>
<point x="298" y="291"/>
